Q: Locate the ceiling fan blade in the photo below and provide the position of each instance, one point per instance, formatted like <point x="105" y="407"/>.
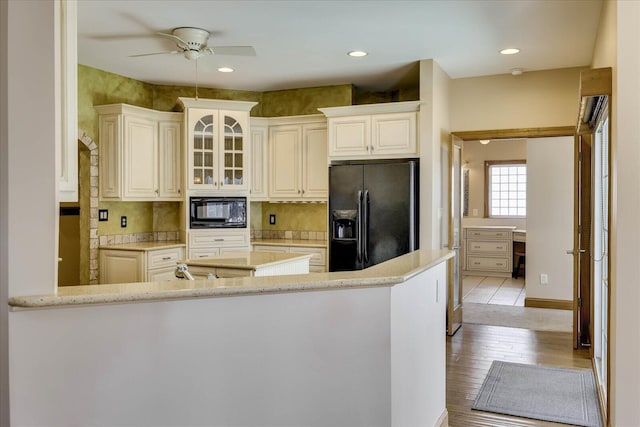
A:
<point x="156" y="53"/>
<point x="233" y="50"/>
<point x="181" y="43"/>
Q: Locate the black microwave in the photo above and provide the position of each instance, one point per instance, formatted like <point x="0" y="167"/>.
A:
<point x="218" y="212"/>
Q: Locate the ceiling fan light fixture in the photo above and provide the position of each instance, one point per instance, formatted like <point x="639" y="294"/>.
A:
<point x="510" y="51"/>
<point x="357" y="53"/>
<point x="225" y="70"/>
<point x="191" y="54"/>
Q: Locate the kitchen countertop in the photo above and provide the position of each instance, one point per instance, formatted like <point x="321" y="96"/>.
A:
<point x="291" y="242"/>
<point x="245" y="260"/>
<point x="143" y="246"/>
<point x="388" y="273"/>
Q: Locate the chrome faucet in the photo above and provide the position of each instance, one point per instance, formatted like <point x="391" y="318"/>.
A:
<point x="182" y="272"/>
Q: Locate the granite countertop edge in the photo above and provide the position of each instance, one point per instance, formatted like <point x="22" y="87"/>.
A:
<point x="389" y="273"/>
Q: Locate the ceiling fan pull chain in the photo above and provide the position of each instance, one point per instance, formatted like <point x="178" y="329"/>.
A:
<point x="196" y="79"/>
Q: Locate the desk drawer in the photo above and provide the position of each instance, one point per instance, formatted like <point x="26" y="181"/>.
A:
<point x="488" y="234"/>
<point x="493" y="247"/>
<point x="488" y="264"/>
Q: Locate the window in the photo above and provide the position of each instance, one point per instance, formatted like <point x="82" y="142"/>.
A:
<point x="506" y="191"/>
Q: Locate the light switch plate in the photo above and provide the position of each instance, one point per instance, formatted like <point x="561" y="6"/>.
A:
<point x="272" y="219"/>
<point x="103" y="215"/>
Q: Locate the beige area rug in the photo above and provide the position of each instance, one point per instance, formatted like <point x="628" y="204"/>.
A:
<point x="538" y="319"/>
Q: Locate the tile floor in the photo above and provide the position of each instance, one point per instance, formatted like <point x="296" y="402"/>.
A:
<point x="493" y="290"/>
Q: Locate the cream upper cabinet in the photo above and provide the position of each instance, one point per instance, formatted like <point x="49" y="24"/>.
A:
<point x="259" y="190"/>
<point x="139" y="153"/>
<point x="219" y="139"/>
<point x="375" y="131"/>
<point x="298" y="167"/>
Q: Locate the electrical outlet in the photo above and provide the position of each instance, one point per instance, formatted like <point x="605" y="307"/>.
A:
<point x="123" y="221"/>
<point x="475" y="212"/>
<point x="272" y="219"/>
<point x="544" y="279"/>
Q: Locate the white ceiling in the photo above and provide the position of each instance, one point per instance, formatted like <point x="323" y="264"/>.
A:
<point x="304" y="43"/>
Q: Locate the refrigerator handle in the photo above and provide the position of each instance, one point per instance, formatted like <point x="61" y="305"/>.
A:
<point x="359" y="228"/>
<point x="365" y="228"/>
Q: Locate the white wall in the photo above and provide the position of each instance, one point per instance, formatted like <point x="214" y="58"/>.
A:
<point x="32" y="201"/>
<point x="625" y="235"/>
<point x="534" y="99"/>
<point x="549" y="217"/>
<point x="434" y="138"/>
<point x="4" y="220"/>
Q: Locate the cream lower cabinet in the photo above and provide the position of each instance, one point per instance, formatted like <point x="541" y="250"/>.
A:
<point x="204" y="243"/>
<point x="488" y="251"/>
<point x="374" y="131"/>
<point x="140" y="154"/>
<point x="317" y="263"/>
<point x="298" y="166"/>
<point x="130" y="266"/>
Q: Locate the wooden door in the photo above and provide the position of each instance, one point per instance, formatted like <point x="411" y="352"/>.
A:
<point x="582" y="331"/>
<point x="454" y="282"/>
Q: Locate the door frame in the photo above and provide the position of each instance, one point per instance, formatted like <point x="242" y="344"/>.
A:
<point x="528" y="133"/>
<point x="454" y="311"/>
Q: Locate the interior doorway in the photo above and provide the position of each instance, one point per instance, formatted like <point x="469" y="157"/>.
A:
<point x="564" y="318"/>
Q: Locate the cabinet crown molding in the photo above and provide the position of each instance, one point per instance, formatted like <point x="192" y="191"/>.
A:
<point x="357" y="110"/>
<point x="135" y="110"/>
<point x="216" y="104"/>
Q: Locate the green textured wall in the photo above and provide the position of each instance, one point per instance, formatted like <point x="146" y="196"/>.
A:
<point x="97" y="87"/>
<point x="295" y="216"/>
<point x="296" y="102"/>
<point x="139" y="217"/>
<point x="165" y="97"/>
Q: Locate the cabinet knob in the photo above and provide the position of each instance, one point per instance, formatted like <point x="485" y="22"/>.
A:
<point x="302" y="191"/>
<point x="298" y="191"/>
<point x="179" y="191"/>
<point x="157" y="192"/>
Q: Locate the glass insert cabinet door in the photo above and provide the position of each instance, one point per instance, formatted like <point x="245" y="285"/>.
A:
<point x="204" y="151"/>
<point x="233" y="165"/>
<point x="217" y="152"/>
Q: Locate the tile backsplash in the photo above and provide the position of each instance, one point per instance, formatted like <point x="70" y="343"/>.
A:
<point x="289" y="234"/>
<point x="153" y="236"/>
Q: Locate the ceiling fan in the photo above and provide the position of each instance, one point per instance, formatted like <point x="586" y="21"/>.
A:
<point x="192" y="43"/>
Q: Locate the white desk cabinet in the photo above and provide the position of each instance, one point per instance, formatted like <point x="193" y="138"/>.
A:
<point x="489" y="251"/>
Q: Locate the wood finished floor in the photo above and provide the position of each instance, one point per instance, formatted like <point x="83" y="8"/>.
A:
<point x="473" y="348"/>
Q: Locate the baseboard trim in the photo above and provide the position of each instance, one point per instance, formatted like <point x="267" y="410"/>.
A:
<point x="557" y="304"/>
<point x="443" y="421"/>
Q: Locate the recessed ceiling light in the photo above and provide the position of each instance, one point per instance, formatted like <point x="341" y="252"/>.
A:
<point x="225" y="70"/>
<point x="510" y="51"/>
<point x="357" y="53"/>
<point x="485" y="141"/>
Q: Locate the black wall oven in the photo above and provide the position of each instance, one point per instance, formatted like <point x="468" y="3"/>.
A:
<point x="218" y="212"/>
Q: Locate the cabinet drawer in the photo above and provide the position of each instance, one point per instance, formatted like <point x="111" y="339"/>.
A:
<point x="489" y="264"/>
<point x="218" y="239"/>
<point x="233" y="272"/>
<point x="318" y="255"/>
<point x="489" y="234"/>
<point x="202" y="253"/>
<point x="162" y="274"/>
<point x="497" y="247"/>
<point x="164" y="258"/>
<point x="269" y="248"/>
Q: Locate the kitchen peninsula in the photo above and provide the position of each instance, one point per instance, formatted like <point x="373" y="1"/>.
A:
<point x="362" y="348"/>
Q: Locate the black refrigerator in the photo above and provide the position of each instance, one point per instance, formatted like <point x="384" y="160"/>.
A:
<point x="373" y="212"/>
